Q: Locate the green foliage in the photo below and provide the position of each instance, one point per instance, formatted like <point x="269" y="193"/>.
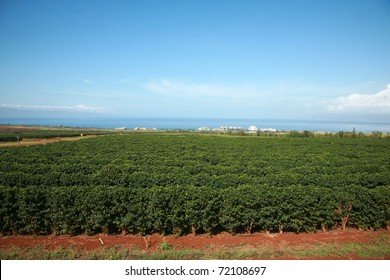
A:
<point x="166" y="246"/>
<point x="305" y="133"/>
<point x="64" y="216"/>
<point x="110" y="174"/>
<point x="23" y="133"/>
<point x="9" y="138"/>
<point x="376" y="134"/>
<point x="8" y="210"/>
<point x="184" y="183"/>
<point x="32" y="210"/>
<point x="144" y="160"/>
<point x="240" y="209"/>
<point x="177" y="210"/>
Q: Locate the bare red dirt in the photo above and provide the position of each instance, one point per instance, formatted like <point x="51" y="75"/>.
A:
<point x="195" y="242"/>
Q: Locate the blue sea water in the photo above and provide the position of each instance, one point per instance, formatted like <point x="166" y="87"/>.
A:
<point x="194" y="123"/>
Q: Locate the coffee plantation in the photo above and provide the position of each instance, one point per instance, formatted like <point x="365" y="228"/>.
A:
<point x="182" y="183"/>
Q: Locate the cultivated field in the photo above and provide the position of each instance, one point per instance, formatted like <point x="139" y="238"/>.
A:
<point x="188" y="185"/>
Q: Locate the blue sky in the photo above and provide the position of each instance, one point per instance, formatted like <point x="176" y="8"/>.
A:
<point x="325" y="60"/>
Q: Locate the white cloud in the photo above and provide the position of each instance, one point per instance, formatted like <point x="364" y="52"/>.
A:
<point x="362" y="103"/>
<point x="87" y="82"/>
<point x="63" y="108"/>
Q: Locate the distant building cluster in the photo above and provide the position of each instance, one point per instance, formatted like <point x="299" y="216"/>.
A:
<point x="230" y="128"/>
<point x="251" y="129"/>
<point x="224" y="128"/>
<point x="145" y="129"/>
<point x="268" y="130"/>
<point x="137" y="128"/>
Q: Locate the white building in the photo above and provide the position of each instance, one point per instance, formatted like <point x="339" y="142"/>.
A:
<point x="229" y="128"/>
<point x="268" y="130"/>
<point x="252" y="128"/>
<point x="145" y="129"/>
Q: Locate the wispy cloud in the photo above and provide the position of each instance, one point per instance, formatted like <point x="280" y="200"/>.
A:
<point x="88" y="82"/>
<point x="62" y="108"/>
<point x="362" y="103"/>
<point x="261" y="90"/>
<point x="198" y="89"/>
<point x="278" y="99"/>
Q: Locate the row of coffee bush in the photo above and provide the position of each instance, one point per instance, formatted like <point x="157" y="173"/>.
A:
<point x="188" y="209"/>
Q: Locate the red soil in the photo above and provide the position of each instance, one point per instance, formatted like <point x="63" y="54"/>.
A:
<point x="196" y="242"/>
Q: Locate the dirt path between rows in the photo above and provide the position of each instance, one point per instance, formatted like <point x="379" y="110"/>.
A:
<point x="203" y="241"/>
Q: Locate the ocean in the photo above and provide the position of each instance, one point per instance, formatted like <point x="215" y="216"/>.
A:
<point x="194" y="123"/>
